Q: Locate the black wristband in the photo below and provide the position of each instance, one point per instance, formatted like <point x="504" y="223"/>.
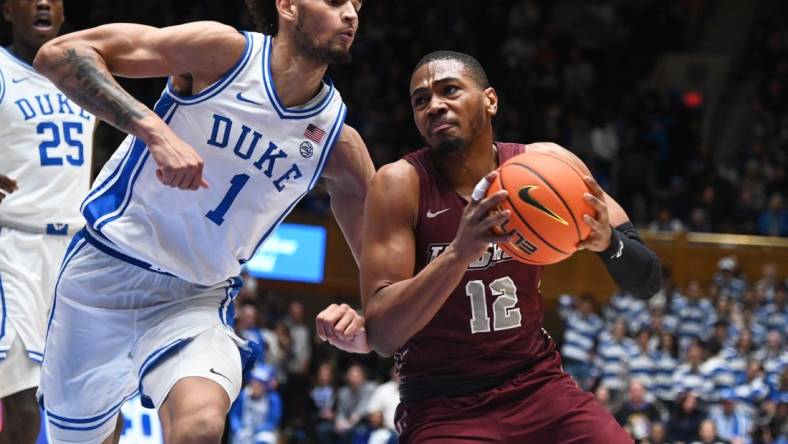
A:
<point x="632" y="265"/>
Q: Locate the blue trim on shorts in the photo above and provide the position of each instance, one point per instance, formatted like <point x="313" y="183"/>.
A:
<point x="35" y="356"/>
<point x="104" y="417"/>
<point x="2" y="303"/>
<point x="153" y="360"/>
<point x="218" y="86"/>
<point x="104" y="248"/>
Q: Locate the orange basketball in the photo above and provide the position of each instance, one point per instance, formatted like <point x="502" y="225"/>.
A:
<point x="547" y="207"/>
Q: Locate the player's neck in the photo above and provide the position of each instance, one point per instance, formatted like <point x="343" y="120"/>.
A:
<point x="297" y="78"/>
<point x="23" y="51"/>
<point x="465" y="168"/>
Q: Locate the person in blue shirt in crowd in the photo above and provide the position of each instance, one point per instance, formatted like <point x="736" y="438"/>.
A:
<point x="256" y="414"/>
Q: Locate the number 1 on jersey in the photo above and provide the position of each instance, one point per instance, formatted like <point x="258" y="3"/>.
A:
<point x="236" y="184"/>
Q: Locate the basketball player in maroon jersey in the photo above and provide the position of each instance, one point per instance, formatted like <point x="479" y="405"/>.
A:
<point x="462" y="319"/>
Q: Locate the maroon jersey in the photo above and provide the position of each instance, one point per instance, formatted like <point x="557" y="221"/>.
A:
<point x="492" y="321"/>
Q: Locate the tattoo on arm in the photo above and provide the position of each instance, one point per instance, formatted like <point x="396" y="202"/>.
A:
<point x="96" y="90"/>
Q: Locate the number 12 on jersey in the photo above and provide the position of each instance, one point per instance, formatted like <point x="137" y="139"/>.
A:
<point x="236" y="184"/>
<point x="505" y="315"/>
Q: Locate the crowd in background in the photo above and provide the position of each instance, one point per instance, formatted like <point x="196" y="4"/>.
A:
<point x="704" y="362"/>
<point x="569" y="71"/>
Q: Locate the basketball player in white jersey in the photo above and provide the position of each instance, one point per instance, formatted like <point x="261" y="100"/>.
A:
<point x="46" y="142"/>
<point x="244" y="129"/>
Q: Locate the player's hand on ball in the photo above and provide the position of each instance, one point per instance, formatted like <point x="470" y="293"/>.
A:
<point x="599" y="238"/>
<point x="474" y="235"/>
<point x="343" y="328"/>
<point x="179" y="164"/>
<point x="7" y="186"/>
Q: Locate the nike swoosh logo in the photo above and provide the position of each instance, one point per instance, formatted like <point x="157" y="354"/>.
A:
<point x="241" y="98"/>
<point x="217" y="373"/>
<point x="20" y="80"/>
<point x="430" y="214"/>
<point x="525" y="196"/>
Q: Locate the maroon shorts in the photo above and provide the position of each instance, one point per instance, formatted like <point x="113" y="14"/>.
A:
<point x="542" y="405"/>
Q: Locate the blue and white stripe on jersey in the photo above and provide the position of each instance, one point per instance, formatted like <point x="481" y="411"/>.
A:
<point x="580" y="332"/>
<point x="689" y="379"/>
<point x="612" y="359"/>
<point x="2" y="318"/>
<point x="270" y="89"/>
<point x="218" y="86"/>
<point x="107" y="202"/>
<point x="2" y="86"/>
<point x="259" y="162"/>
<point x="642" y="366"/>
<point x="330" y="144"/>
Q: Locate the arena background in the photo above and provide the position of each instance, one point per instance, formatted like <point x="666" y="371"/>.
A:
<point x="679" y="107"/>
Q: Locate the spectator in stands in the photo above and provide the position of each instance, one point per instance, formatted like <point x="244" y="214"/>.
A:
<point x="295" y="391"/>
<point x="707" y="434"/>
<point x="774" y="315"/>
<point x="717" y="372"/>
<point x="774" y="357"/>
<point x="728" y="279"/>
<point x="773" y="221"/>
<point x="692" y="315"/>
<point x="729" y="419"/>
<point x="246" y="326"/>
<point x="659" y="434"/>
<point x="582" y="328"/>
<point x="637" y="414"/>
<point x="688" y="377"/>
<point x="323" y="397"/>
<point x="666" y="364"/>
<point x="751" y="390"/>
<point x="385" y="399"/>
<point x="602" y="396"/>
<point x="666" y="223"/>
<point x="255" y="415"/>
<point x="641" y="364"/>
<point x="738" y="357"/>
<point x="685" y="421"/>
<point x="352" y="403"/>
<point x="376" y="432"/>
<point x="611" y="358"/>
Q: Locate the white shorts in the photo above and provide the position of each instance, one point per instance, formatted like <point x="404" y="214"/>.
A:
<point x="118" y="329"/>
<point x="28" y="268"/>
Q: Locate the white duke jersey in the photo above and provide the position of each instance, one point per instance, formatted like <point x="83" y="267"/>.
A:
<point x="47" y="145"/>
<point x="260" y="159"/>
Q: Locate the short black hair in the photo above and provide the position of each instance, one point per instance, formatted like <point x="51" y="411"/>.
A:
<point x="264" y="15"/>
<point x="472" y="65"/>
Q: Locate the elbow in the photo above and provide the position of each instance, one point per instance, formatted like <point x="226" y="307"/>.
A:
<point x="381" y="339"/>
<point x="652" y="283"/>
<point x="46" y="55"/>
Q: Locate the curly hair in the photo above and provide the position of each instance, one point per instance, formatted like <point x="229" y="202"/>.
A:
<point x="264" y="15"/>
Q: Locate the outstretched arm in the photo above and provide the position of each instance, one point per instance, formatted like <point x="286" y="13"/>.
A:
<point x="82" y="65"/>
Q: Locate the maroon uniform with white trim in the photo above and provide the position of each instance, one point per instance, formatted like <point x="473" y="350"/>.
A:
<point x="490" y="324"/>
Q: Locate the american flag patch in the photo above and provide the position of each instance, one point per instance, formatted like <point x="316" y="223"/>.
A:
<point x="314" y="133"/>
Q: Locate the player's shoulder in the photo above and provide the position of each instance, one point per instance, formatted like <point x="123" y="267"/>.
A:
<point x="400" y="172"/>
<point x="547" y="148"/>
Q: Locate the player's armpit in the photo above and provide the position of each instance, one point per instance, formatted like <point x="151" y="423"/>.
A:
<point x="348" y="176"/>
